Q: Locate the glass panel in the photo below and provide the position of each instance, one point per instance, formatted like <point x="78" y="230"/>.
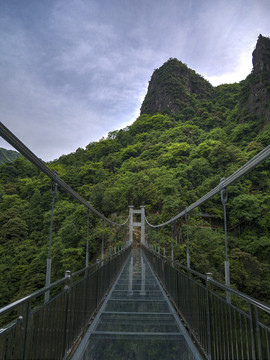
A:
<point x="137" y="322"/>
<point x="140" y="347"/>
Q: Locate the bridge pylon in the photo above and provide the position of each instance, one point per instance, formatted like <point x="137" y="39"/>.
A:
<point x="133" y="223"/>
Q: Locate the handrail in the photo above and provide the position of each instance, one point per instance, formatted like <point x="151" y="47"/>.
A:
<point x="177" y="264"/>
<point x="243" y="296"/>
<point x="248" y="166"/>
<point x="32" y="329"/>
<point x="17" y="144"/>
<point x="35" y="294"/>
<point x="221" y="329"/>
<point x="224" y="287"/>
<point x="43" y="290"/>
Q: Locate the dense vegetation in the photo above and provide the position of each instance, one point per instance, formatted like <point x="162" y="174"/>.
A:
<point x="8" y="155"/>
<point x="170" y="88"/>
<point x="163" y="161"/>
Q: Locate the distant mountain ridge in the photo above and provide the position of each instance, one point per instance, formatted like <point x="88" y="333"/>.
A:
<point x="8" y="155"/>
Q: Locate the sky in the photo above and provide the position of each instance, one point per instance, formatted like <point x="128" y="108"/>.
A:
<point x="73" y="70"/>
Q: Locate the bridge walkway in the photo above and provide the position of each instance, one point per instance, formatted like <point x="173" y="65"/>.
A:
<point x="137" y="321"/>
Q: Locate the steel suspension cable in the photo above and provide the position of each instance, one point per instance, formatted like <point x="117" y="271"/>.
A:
<point x="248" y="166"/>
<point x="17" y="144"/>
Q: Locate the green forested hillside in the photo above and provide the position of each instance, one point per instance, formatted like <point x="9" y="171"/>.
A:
<point x="165" y="161"/>
<point x="8" y="155"/>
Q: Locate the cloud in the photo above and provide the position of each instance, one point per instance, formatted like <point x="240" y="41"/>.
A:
<point x="73" y="70"/>
<point x="92" y="97"/>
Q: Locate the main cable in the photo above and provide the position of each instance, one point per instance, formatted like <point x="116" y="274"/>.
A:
<point x="24" y="150"/>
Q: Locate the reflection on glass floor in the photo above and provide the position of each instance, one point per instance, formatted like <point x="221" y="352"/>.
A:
<point x="137" y="322"/>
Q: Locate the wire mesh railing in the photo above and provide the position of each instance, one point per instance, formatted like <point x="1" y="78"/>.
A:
<point x="222" y="329"/>
<point x="51" y="330"/>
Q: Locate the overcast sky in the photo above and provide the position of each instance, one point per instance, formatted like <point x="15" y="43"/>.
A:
<point x="73" y="70"/>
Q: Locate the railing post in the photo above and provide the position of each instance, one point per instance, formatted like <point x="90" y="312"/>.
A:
<point x="27" y="316"/>
<point x="209" y="276"/>
<point x="110" y="238"/>
<point x="188" y="256"/>
<point x="102" y="245"/>
<point x="142" y="291"/>
<point x="20" y="341"/>
<point x="143" y="224"/>
<point x="172" y="254"/>
<point x="224" y="200"/>
<point x="130" y="278"/>
<point x="49" y="259"/>
<point x="67" y="289"/>
<point x="20" y="350"/>
<point x="87" y="240"/>
<point x="255" y="332"/>
<point x="131" y="207"/>
<point x="115" y="236"/>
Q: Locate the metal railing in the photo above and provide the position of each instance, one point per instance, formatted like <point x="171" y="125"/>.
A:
<point x="52" y="330"/>
<point x="223" y="330"/>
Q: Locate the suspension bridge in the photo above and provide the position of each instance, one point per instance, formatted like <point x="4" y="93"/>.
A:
<point x="136" y="302"/>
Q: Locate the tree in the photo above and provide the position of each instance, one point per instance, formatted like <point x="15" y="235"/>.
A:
<point x="244" y="208"/>
<point x="15" y="229"/>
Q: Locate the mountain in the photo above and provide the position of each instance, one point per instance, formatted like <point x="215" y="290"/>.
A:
<point x="172" y="86"/>
<point x="189" y="135"/>
<point x="255" y="96"/>
<point x="8" y="155"/>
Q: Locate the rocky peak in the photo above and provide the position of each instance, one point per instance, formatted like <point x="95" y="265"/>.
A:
<point x="255" y="99"/>
<point x="172" y="86"/>
<point x="261" y="56"/>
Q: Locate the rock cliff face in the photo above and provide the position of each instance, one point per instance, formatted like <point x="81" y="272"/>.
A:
<point x="255" y="97"/>
<point x="173" y="86"/>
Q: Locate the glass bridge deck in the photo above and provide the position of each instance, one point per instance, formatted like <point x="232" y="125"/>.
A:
<point x="136" y="321"/>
